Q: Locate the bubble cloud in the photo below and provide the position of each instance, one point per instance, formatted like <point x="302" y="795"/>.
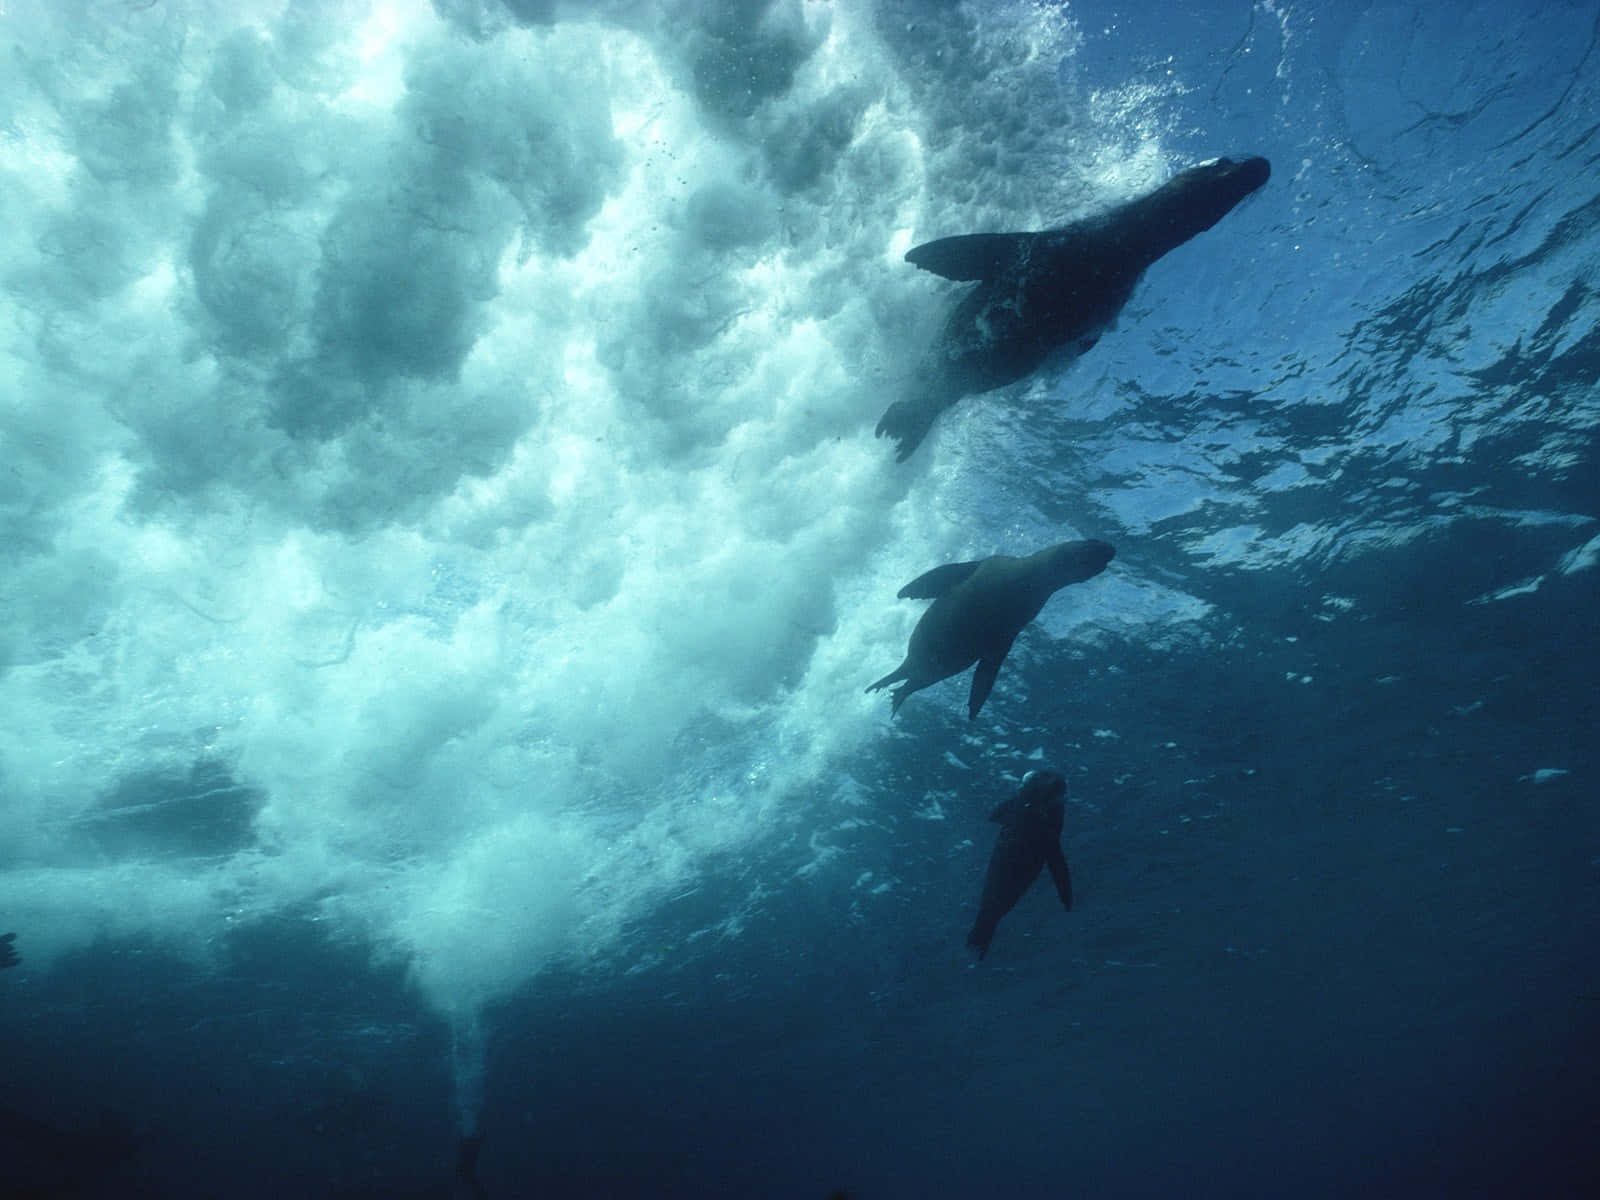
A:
<point x="441" y="483"/>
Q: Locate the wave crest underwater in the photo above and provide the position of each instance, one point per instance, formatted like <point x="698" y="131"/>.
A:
<point x="455" y="451"/>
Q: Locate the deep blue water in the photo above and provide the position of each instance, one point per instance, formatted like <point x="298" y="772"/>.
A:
<point x="445" y="544"/>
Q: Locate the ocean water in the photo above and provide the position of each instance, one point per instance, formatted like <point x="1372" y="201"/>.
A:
<point x="444" y="547"/>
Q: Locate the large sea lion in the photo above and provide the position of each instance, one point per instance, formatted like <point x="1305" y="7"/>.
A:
<point x="1056" y="290"/>
<point x="1030" y="840"/>
<point x="977" y="611"/>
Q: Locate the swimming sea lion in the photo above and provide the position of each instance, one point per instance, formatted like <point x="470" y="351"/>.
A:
<point x="1030" y="840"/>
<point x="977" y="611"/>
<point x="1059" y="289"/>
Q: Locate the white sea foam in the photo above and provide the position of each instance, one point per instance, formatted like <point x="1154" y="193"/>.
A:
<point x="466" y="442"/>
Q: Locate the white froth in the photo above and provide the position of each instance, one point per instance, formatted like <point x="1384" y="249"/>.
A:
<point x="467" y="444"/>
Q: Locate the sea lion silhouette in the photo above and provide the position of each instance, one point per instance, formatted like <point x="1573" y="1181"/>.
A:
<point x="1030" y="840"/>
<point x="1056" y="290"/>
<point x="977" y="611"/>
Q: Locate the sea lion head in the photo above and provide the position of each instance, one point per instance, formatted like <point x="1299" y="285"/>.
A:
<point x="1073" y="562"/>
<point x="1208" y="191"/>
<point x="1043" y="788"/>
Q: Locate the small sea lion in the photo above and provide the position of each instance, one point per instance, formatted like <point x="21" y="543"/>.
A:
<point x="1030" y="840"/>
<point x="1060" y="289"/>
<point x="977" y="611"/>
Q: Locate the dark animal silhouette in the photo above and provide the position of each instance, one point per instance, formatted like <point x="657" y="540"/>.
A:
<point x="1030" y="840"/>
<point x="978" y="609"/>
<point x="1056" y="290"/>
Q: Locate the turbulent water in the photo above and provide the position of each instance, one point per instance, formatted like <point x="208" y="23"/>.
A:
<point x="444" y="548"/>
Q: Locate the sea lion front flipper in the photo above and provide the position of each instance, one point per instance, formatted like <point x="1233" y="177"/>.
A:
<point x="972" y="255"/>
<point x="1057" y="862"/>
<point x="983" y="679"/>
<point x="930" y="585"/>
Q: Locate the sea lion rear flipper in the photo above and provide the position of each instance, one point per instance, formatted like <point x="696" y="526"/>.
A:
<point x="930" y="585"/>
<point x="1057" y="862"/>
<point x="907" y="423"/>
<point x="972" y="255"/>
<point x="983" y="679"/>
<point x="894" y="676"/>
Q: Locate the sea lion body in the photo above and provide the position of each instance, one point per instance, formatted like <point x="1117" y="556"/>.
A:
<point x="1030" y="840"/>
<point x="977" y="611"/>
<point x="1057" y="290"/>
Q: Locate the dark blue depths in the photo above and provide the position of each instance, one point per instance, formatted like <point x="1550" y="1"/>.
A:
<point x="1336" y="852"/>
<point x="1326" y="944"/>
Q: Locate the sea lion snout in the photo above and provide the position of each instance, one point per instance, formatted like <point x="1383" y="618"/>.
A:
<point x="1045" y="785"/>
<point x="1253" y="172"/>
<point x="1074" y="562"/>
<point x="1098" y="552"/>
<point x="1241" y="175"/>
